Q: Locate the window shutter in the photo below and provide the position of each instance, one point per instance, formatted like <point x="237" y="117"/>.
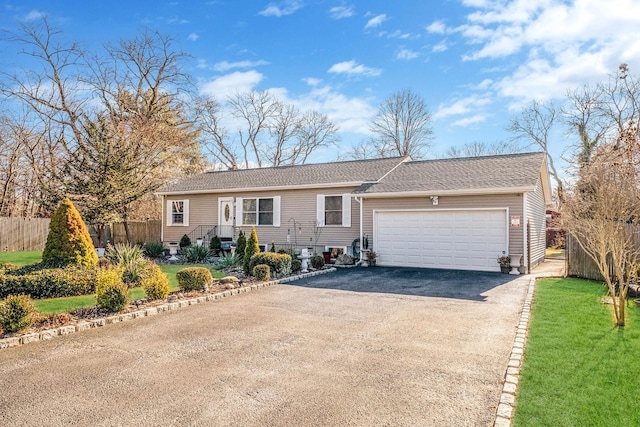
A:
<point x="238" y="211"/>
<point x="276" y="211"/>
<point x="320" y="210"/>
<point x="346" y="210"/>
<point x="185" y="211"/>
<point x="169" y="212"/>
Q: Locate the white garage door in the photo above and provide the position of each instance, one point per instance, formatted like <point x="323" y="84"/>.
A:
<point x="454" y="239"/>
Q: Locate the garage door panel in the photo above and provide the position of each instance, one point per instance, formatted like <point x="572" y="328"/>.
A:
<point x="467" y="240"/>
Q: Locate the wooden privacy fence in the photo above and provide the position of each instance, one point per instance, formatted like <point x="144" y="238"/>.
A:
<point x="23" y="234"/>
<point x="141" y="231"/>
<point x="30" y="234"/>
<point x="579" y="264"/>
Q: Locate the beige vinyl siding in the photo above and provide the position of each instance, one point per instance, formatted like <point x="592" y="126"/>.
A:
<point x="296" y="207"/>
<point x="512" y="202"/>
<point x="536" y="211"/>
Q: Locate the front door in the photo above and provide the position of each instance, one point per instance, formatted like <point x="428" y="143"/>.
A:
<point x="225" y="217"/>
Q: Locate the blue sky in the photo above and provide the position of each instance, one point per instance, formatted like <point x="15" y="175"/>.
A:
<point x="475" y="62"/>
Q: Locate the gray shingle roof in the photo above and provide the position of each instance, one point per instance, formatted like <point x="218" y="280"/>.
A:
<point x="471" y="173"/>
<point x="309" y="175"/>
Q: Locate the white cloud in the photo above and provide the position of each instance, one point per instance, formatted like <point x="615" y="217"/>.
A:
<point x="232" y="83"/>
<point x="353" y="68"/>
<point x="440" y="47"/>
<point x="436" y="27"/>
<point x="223" y="66"/>
<point x="407" y="54"/>
<point x="286" y="8"/>
<point x="401" y="35"/>
<point x="461" y="106"/>
<point x="340" y="12"/>
<point x="34" y="15"/>
<point x="312" y="81"/>
<point x="376" y="21"/>
<point x="477" y="118"/>
<point x="193" y="37"/>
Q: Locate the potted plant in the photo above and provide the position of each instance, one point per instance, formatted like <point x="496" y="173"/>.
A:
<point x="505" y="263"/>
<point x="371" y="257"/>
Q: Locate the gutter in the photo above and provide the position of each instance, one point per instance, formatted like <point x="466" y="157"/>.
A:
<point x="465" y="192"/>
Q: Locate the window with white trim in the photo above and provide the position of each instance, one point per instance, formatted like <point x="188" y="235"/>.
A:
<point x="178" y="212"/>
<point x="333" y="210"/>
<point x="259" y="211"/>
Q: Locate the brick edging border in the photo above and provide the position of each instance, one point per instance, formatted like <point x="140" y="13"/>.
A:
<point x="49" y="334"/>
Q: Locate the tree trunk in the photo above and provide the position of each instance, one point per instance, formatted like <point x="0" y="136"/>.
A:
<point x="125" y="222"/>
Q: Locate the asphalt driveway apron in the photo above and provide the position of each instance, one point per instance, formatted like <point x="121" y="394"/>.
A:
<point x="377" y="346"/>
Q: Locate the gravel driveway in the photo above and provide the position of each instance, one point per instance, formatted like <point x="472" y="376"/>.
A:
<point x="377" y="346"/>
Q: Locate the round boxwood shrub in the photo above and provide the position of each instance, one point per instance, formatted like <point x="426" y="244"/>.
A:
<point x="111" y="292"/>
<point x="317" y="261"/>
<point x="17" y="313"/>
<point x="296" y="266"/>
<point x="279" y="264"/>
<point x="68" y="241"/>
<point x="185" y="241"/>
<point x="194" y="278"/>
<point x="262" y="272"/>
<point x="156" y="283"/>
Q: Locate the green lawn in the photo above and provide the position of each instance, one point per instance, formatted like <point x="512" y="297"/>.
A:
<point x="62" y="305"/>
<point x="21" y="258"/>
<point x="579" y="369"/>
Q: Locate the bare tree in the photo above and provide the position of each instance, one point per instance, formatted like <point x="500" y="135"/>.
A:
<point x="271" y="132"/>
<point x="402" y="126"/>
<point x="534" y="125"/>
<point x="601" y="212"/>
<point x="479" y="148"/>
<point x="138" y="84"/>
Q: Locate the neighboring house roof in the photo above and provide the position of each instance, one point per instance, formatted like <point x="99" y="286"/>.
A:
<point x="468" y="175"/>
<point x="306" y="176"/>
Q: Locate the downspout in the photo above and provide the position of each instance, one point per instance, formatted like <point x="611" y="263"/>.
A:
<point x="162" y="219"/>
<point x="524" y="226"/>
<point x="359" y="200"/>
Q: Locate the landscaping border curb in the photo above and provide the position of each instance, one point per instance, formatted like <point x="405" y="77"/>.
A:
<point x="507" y="401"/>
<point x="49" y="334"/>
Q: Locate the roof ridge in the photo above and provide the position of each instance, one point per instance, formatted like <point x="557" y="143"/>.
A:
<point x="483" y="157"/>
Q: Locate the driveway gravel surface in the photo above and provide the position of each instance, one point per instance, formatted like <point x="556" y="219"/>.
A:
<point x="377" y="346"/>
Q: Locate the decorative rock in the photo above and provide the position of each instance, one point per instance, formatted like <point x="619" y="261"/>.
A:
<point x="344" y="259"/>
<point x="229" y="279"/>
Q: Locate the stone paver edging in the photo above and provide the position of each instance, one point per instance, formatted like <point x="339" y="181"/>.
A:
<point x="512" y="376"/>
<point x="48" y="334"/>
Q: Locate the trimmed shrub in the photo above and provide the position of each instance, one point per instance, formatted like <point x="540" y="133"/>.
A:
<point x="8" y="267"/>
<point x="48" y="282"/>
<point x="194" y="278"/>
<point x="253" y="247"/>
<point x="111" y="292"/>
<point x="156" y="284"/>
<point x="185" y="241"/>
<point x="279" y="264"/>
<point x="68" y="241"/>
<point x="273" y="247"/>
<point x="17" y="313"/>
<point x="154" y="249"/>
<point x="317" y="261"/>
<point x="262" y="272"/>
<point x="241" y="244"/>
<point x="215" y="245"/>
<point x="296" y="266"/>
<point x="196" y="254"/>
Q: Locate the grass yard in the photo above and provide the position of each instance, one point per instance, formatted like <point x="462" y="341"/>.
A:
<point x="62" y="305"/>
<point x="579" y="369"/>
<point x="21" y="258"/>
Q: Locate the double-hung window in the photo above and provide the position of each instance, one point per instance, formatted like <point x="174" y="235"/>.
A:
<point x="178" y="212"/>
<point x="333" y="210"/>
<point x="259" y="210"/>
